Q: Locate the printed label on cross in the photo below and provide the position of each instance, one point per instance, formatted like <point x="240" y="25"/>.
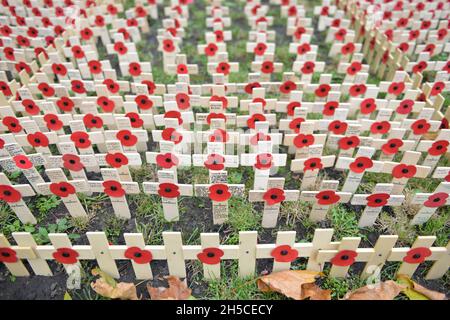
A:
<point x="435" y="149"/>
<point x="431" y="202"/>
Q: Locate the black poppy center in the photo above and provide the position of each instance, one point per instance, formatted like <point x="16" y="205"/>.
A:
<point x="219" y="191"/>
<point x="6" y="254"/>
<point x="63" y="189"/>
<point x="82" y="140"/>
<point x="436" y="199"/>
<point x="379" y="127"/>
<point x="66" y="255"/>
<point x="118" y="160"/>
<point x="392" y="145"/>
<point x="417" y="256"/>
<point x="138" y="255"/>
<point x="273" y="196"/>
<point x="284" y="252"/>
<point x="126" y="137"/>
<point x="405" y="170"/>
<point x="345" y="257"/>
<point x="298" y="126"/>
<point x="326" y="197"/>
<point x="378" y="200"/>
<point x="304" y="140"/>
<point x="439" y="147"/>
<point x="94" y="121"/>
<point x="349" y="142"/>
<point x="210" y="255"/>
<point x="22" y="161"/>
<point x="182" y="100"/>
<point x="7" y="193"/>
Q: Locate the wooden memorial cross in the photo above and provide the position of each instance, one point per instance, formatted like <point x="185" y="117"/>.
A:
<point x="435" y="149"/>
<point x="325" y="199"/>
<point x="212" y="50"/>
<point x="36" y="139"/>
<point x="146" y="100"/>
<point x="221" y="69"/>
<point x="431" y="202"/>
<point x="116" y="190"/>
<point x="311" y="166"/>
<point x="442" y="173"/>
<point x="181" y="138"/>
<point x="217" y="118"/>
<point x="181" y="68"/>
<point x="13" y="194"/>
<point x="346" y="49"/>
<point x="272" y="196"/>
<point x="26" y="163"/>
<point x="262" y="70"/>
<point x="393" y="144"/>
<point x="304" y="140"/>
<point x="12" y="257"/>
<point x="169" y="190"/>
<point x="260" y="133"/>
<point x="260" y="47"/>
<point x="323" y="11"/>
<point x="353" y="68"/>
<point x="258" y="96"/>
<point x="218" y="94"/>
<point x="300" y="28"/>
<point x="170" y="47"/>
<point x="219" y="192"/>
<point x="215" y="159"/>
<point x="406" y="169"/>
<point x="264" y="163"/>
<point x="381" y="196"/>
<point x="357" y="166"/>
<point x="131" y="140"/>
<point x="183" y="94"/>
<point x="322" y="89"/>
<point x="66" y="190"/>
<point x="167" y="158"/>
<point x="307" y="66"/>
<point x="174" y="116"/>
<point x="256" y="118"/>
<point x="397" y="86"/>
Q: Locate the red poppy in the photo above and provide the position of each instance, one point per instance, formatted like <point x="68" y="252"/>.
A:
<point x="65" y="104"/>
<point x="259" y="137"/>
<point x="183" y="101"/>
<point x="91" y="121"/>
<point x="312" y="164"/>
<point x="219" y="35"/>
<point x="308" y="67"/>
<point x="2" y="143"/>
<point x="86" y="34"/>
<point x="436" y="200"/>
<point x="72" y="162"/>
<point x="446" y="67"/>
<point x="438" y="148"/>
<point x="392" y="146"/>
<point x="120" y="48"/>
<point x="396" y="88"/>
<point x="260" y="49"/>
<point x="132" y="22"/>
<point x="267" y="67"/>
<point x="344" y="258"/>
<point x="354" y="68"/>
<point x="150" y="86"/>
<point x="263" y="161"/>
<point x="425" y="24"/>
<point x="442" y="33"/>
<point x="116" y="160"/>
<point x="143" y="102"/>
<point x="255" y="118"/>
<point x="284" y="253"/>
<point x="168" y="190"/>
<point x="437" y="88"/>
<point x="404" y="46"/>
<point x="210" y="256"/>
<point x="65" y="256"/>
<point x="299" y="32"/>
<point x="135" y="119"/>
<point x="377" y="199"/>
<point x="173" y="114"/>
<point x="413" y="34"/>
<point x="23" y="41"/>
<point x="322" y="90"/>
<point x="327" y="197"/>
<point x="95" y="66"/>
<point x="113" y="188"/>
<point x="111" y="85"/>
<point x="138" y="255"/>
<point x="338" y="127"/>
<point x="215" y="162"/>
<point x="8" y="255"/>
<point x="81" y="139"/>
<point x="22" y="162"/>
<point x="380" y="127"/>
<point x="9" y="53"/>
<point x="224" y="100"/>
<point x="420" y="126"/>
<point x="250" y="86"/>
<point x="361" y="164"/>
<point x="211" y="49"/>
<point x="12" y="123"/>
<point x="46" y="90"/>
<point x="346" y="143"/>
<point x="405" y="106"/>
<point x="171" y="134"/>
<point x="274" y="196"/>
<point x="295" y="124"/>
<point x="303" y="48"/>
<point x="348" y="48"/>
<point x="77" y="52"/>
<point x="330" y="108"/>
<point x="124" y="32"/>
<point x="287" y="86"/>
<point x="30" y="107"/>
<point x="219" y="192"/>
<point x="134" y="68"/>
<point x="357" y="90"/>
<point x="5" y="89"/>
<point x="182" y="69"/>
<point x="59" y="69"/>
<point x="167" y="160"/>
<point x="419" y="67"/>
<point x="126" y="138"/>
<point x="22" y="66"/>
<point x="404" y="171"/>
<point x="62" y="189"/>
<point x="291" y="107"/>
<point x="219" y="135"/>
<point x="417" y="255"/>
<point x="223" y="68"/>
<point x="214" y="115"/>
<point x="340" y="34"/>
<point x="168" y="45"/>
<point x="9" y="194"/>
<point x="303" y="140"/>
<point x="78" y="86"/>
<point x="37" y="139"/>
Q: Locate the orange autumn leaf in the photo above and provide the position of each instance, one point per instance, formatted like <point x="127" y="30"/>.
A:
<point x="177" y="290"/>
<point x="386" y="290"/>
<point x="314" y="292"/>
<point x="290" y="283"/>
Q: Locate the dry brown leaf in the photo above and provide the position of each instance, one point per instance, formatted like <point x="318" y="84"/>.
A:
<point x="386" y="290"/>
<point x="415" y="291"/>
<point x="122" y="290"/>
<point x="177" y="290"/>
<point x="287" y="282"/>
<point x="314" y="292"/>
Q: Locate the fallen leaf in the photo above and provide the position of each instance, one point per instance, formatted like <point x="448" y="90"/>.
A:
<point x="177" y="290"/>
<point x="67" y="296"/>
<point x="415" y="291"/>
<point x="287" y="282"/>
<point x="386" y="290"/>
<point x="314" y="292"/>
<point x="107" y="287"/>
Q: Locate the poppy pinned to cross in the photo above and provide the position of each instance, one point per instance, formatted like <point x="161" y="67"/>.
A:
<point x="311" y="167"/>
<point x="13" y="196"/>
<point x="431" y="202"/>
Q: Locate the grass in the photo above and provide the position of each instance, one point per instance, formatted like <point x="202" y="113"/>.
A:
<point x="344" y="222"/>
<point x="340" y="286"/>
<point x="241" y="217"/>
